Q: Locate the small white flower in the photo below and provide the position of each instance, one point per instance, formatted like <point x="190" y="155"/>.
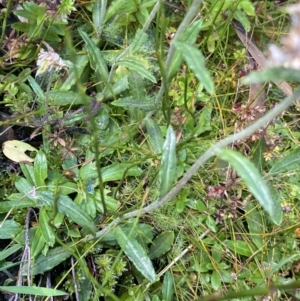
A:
<point x="48" y="60"/>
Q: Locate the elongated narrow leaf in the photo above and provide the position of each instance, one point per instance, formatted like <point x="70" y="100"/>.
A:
<point x="11" y="250"/>
<point x="117" y="88"/>
<point x="76" y="70"/>
<point x="46" y="263"/>
<point x="20" y="203"/>
<point x="36" y="88"/>
<point x="37" y="243"/>
<point x="167" y="173"/>
<point x="239" y="247"/>
<point x="135" y="253"/>
<point x="63" y="98"/>
<point x="46" y="229"/>
<point x="97" y="14"/>
<point x="215" y="280"/>
<point x="139" y="40"/>
<point x="168" y="287"/>
<point x="155" y="137"/>
<point x="204" y="122"/>
<point x="96" y="58"/>
<point x="40" y="168"/>
<point x="161" y="244"/>
<point x="270" y="74"/>
<point x="196" y="62"/>
<point x="9" y="229"/>
<point x="288" y="163"/>
<point x="33" y="290"/>
<point x="123" y="6"/>
<point x="254" y="181"/>
<point x="256" y="224"/>
<point x="116" y="171"/>
<point x="23" y="186"/>
<point x="130" y="102"/>
<point x="136" y="66"/>
<point x="189" y="37"/>
<point x="74" y="212"/>
<point x="28" y="173"/>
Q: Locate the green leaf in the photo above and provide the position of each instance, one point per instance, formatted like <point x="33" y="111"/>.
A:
<point x="288" y="163"/>
<point x="74" y="212"/>
<point x="19" y="203"/>
<point x="38" y="243"/>
<point x="139" y="40"/>
<point x="167" y="173"/>
<point x="145" y="104"/>
<point x="96" y="59"/>
<point x="189" y="37"/>
<point x="240" y="16"/>
<point x="280" y="264"/>
<point x="121" y="6"/>
<point x="161" y="244"/>
<point x="254" y="181"/>
<point x="155" y="137"/>
<point x="135" y="253"/>
<point x="215" y="280"/>
<point x="40" y="169"/>
<point x="43" y="263"/>
<point x="97" y="14"/>
<point x="116" y="171"/>
<point x="36" y="88"/>
<point x="196" y="62"/>
<point x="9" y="251"/>
<point x="272" y="74"/>
<point x="33" y="290"/>
<point x="9" y="228"/>
<point x="239" y="247"/>
<point x="63" y="98"/>
<point x="46" y="229"/>
<point x="204" y="122"/>
<point x="255" y="224"/>
<point x="211" y="224"/>
<point x="23" y="186"/>
<point x="76" y="70"/>
<point x="168" y="287"/>
<point x="135" y="65"/>
<point x="117" y="88"/>
<point x="28" y="173"/>
<point x="248" y="7"/>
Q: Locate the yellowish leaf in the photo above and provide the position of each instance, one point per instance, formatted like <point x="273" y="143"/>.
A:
<point x="15" y="151"/>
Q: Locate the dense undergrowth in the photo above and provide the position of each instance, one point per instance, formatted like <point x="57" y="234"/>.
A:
<point x="116" y="101"/>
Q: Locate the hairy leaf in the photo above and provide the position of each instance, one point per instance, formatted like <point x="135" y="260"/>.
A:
<point x="74" y="212"/>
<point x="46" y="263"/>
<point x="254" y="181"/>
<point x="155" y="137"/>
<point x="161" y="244"/>
<point x="167" y="173"/>
<point x="135" y="253"/>
<point x="196" y="62"/>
